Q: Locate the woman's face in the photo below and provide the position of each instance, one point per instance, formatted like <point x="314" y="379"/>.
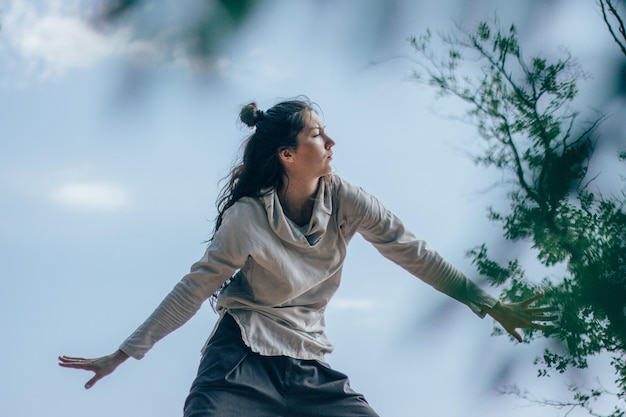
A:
<point x="312" y="157"/>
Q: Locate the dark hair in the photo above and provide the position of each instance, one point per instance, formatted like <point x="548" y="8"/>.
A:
<point x="260" y="168"/>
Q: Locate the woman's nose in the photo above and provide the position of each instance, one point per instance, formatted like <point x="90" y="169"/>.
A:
<point x="329" y="142"/>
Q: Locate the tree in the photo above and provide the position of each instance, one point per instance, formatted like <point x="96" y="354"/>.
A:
<point x="523" y="110"/>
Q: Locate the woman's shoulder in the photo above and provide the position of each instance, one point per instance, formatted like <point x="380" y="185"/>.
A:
<point x="245" y="207"/>
<point x="344" y="188"/>
<point x="348" y="195"/>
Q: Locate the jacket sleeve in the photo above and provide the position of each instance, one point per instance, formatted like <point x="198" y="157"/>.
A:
<point x="364" y="214"/>
<point x="223" y="256"/>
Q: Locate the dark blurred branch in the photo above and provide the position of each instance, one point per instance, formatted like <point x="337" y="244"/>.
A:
<point x="619" y="35"/>
<point x="582" y="400"/>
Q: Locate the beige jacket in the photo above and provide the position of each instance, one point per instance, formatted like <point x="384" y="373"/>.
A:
<point x="285" y="275"/>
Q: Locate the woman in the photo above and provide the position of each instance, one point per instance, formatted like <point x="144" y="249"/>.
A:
<point x="274" y="261"/>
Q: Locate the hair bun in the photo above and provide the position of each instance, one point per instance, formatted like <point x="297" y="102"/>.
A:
<point x="251" y="115"/>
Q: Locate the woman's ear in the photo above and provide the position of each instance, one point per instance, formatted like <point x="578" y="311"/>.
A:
<point x="285" y="155"/>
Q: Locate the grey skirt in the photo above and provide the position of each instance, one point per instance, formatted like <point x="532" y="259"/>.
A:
<point x="233" y="381"/>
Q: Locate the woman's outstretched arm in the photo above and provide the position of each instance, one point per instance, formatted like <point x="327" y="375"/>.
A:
<point x="102" y="366"/>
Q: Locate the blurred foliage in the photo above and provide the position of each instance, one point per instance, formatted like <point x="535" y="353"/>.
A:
<point x="523" y="110"/>
<point x="192" y="30"/>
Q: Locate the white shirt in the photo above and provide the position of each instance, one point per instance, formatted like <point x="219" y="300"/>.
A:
<point x="286" y="274"/>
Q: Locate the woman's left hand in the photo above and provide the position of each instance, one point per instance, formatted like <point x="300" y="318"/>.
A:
<point x="521" y="315"/>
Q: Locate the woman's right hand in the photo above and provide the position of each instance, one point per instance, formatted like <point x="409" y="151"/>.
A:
<point x="102" y="366"/>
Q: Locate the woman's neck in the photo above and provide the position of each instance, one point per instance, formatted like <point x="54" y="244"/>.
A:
<point x="297" y="199"/>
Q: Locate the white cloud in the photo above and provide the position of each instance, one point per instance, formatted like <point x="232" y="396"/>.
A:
<point x="50" y="39"/>
<point x="63" y="43"/>
<point x="99" y="196"/>
<point x="54" y="39"/>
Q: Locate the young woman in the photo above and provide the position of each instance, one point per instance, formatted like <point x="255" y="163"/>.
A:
<point x="274" y="262"/>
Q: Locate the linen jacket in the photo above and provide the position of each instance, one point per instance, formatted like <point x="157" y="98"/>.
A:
<point x="283" y="275"/>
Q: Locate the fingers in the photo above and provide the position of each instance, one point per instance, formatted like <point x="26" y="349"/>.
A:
<point x="92" y="381"/>
<point x="534" y="314"/>
<point x="515" y="334"/>
<point x="547" y="318"/>
<point x="529" y="315"/>
<point x="541" y="309"/>
<point x="69" y="359"/>
<point x="520" y="315"/>
<point x="530" y="325"/>
<point x="101" y="366"/>
<point x="539" y="317"/>
<point x="82" y="363"/>
<point x="541" y="314"/>
<point x="76" y="363"/>
<point x="532" y="299"/>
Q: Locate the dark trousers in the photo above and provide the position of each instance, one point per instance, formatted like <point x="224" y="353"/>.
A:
<point x="233" y="381"/>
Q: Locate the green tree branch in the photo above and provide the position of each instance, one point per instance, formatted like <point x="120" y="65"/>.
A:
<point x="522" y="111"/>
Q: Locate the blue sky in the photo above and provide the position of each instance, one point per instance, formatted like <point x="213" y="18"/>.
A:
<point x="108" y="196"/>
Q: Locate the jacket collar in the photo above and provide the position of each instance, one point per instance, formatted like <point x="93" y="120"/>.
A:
<point x="287" y="230"/>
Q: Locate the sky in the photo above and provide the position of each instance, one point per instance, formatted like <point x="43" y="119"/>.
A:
<point x="109" y="176"/>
